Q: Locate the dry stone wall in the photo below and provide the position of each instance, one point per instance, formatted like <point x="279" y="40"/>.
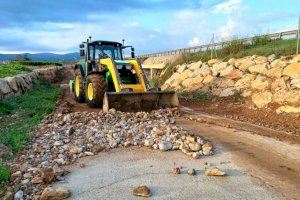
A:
<point x="14" y="86"/>
<point x="262" y="80"/>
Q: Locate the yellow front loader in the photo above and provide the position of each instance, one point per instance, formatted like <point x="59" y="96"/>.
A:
<point x="106" y="79"/>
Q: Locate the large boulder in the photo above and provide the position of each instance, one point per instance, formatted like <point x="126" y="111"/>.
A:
<point x="292" y="70"/>
<point x="194" y="66"/>
<point x="57" y="193"/>
<point x="218" y="67"/>
<point x="187" y="82"/>
<point x="11" y="81"/>
<point x="262" y="99"/>
<point x="186" y="74"/>
<point x="260" y="60"/>
<point x="244" y="82"/>
<point x="258" y="69"/>
<point x="226" y="71"/>
<point x="208" y="79"/>
<point x="278" y="63"/>
<point x="181" y="68"/>
<point x="291" y="97"/>
<point x="288" y="109"/>
<point x="227" y="92"/>
<point x="204" y="71"/>
<point x="275" y="72"/>
<point x="212" y="62"/>
<point x="260" y="83"/>
<point x="244" y="64"/>
<point x="278" y="84"/>
<point x="235" y="74"/>
<point x="4" y="87"/>
<point x="295" y="83"/>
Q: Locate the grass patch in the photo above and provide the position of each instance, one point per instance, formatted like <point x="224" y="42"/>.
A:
<point x="13" y="69"/>
<point x="25" y="112"/>
<point x="4" y="172"/>
<point x="37" y="63"/>
<point x="198" y="95"/>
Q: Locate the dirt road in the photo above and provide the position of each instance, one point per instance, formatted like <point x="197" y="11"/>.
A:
<point x="273" y="164"/>
<point x="114" y="174"/>
<point x="270" y="156"/>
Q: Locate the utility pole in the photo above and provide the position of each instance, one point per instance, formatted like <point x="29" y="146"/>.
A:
<point x="298" y="35"/>
<point x="212" y="48"/>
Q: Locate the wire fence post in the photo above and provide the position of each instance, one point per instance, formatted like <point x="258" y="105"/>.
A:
<point x="298" y="35"/>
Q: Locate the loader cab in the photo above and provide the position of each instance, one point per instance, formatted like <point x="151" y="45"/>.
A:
<point x="97" y="59"/>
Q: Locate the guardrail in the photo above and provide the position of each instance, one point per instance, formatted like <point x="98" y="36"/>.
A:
<point x="194" y="49"/>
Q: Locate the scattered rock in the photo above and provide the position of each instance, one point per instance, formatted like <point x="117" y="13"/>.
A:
<point x="191" y="172"/>
<point x="214" y="172"/>
<point x="194" y="146"/>
<point x="142" y="191"/>
<point x="98" y="148"/>
<point x="175" y="170"/>
<point x="47" y="175"/>
<point x="165" y="146"/>
<point x="19" y="195"/>
<point x="8" y="196"/>
<point x="82" y="165"/>
<point x="57" y="193"/>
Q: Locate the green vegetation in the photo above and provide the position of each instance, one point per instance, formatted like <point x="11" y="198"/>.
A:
<point x="37" y="63"/>
<point x="21" y="114"/>
<point x="13" y="69"/>
<point x="20" y="67"/>
<point x="198" y="95"/>
<point x="236" y="49"/>
<point x="4" y="172"/>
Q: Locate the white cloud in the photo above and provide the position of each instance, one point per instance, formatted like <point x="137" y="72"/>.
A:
<point x="132" y="24"/>
<point x="194" y="42"/>
<point x="229" y="29"/>
<point x="228" y="7"/>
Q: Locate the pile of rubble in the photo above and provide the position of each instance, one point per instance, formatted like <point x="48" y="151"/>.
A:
<point x="63" y="138"/>
<point x="264" y="80"/>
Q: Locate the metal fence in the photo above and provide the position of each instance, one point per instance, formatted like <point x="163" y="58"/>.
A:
<point x="219" y="45"/>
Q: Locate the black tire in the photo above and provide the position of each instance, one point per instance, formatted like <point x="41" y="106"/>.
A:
<point x="99" y="87"/>
<point x="78" y="92"/>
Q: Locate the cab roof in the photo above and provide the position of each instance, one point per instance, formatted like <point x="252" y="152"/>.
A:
<point x="106" y="43"/>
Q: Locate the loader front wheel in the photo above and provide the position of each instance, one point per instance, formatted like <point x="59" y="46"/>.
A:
<point x="95" y="88"/>
<point x="78" y="86"/>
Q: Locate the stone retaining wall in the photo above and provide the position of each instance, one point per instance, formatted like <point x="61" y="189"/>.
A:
<point x="14" y="86"/>
<point x="262" y="80"/>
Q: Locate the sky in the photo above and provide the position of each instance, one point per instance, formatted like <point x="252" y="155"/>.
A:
<point x="59" y="26"/>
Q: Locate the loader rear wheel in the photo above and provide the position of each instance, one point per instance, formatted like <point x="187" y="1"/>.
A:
<point x="96" y="87"/>
<point x="78" y="86"/>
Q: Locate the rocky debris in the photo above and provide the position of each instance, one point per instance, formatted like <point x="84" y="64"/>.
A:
<point x="165" y="146"/>
<point x="19" y="195"/>
<point x="63" y="138"/>
<point x="214" y="172"/>
<point x="142" y="191"/>
<point x="14" y="86"/>
<point x="8" y="196"/>
<point x="47" y="175"/>
<point x="256" y="78"/>
<point x="175" y="170"/>
<point x="191" y="172"/>
<point x="57" y="193"/>
<point x="82" y="165"/>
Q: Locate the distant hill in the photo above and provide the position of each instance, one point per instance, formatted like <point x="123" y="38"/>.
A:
<point x="44" y="57"/>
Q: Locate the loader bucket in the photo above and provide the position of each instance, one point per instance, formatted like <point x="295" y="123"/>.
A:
<point x="138" y="101"/>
